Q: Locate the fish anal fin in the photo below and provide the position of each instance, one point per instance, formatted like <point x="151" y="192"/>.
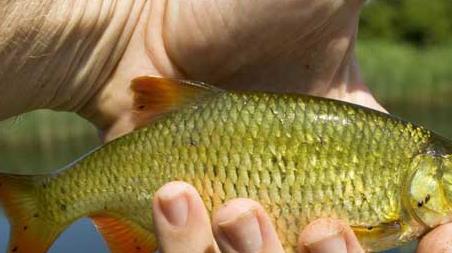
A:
<point x="154" y="96"/>
<point x="124" y="236"/>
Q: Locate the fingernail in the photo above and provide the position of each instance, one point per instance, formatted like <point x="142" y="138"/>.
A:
<point x="331" y="243"/>
<point x="174" y="204"/>
<point x="243" y="232"/>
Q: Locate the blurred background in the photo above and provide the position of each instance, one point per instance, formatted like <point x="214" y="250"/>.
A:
<point x="405" y="52"/>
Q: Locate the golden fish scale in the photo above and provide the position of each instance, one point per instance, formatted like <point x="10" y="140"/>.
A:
<point x="302" y="158"/>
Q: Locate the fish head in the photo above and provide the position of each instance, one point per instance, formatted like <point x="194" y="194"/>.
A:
<point x="447" y="177"/>
<point x="430" y="190"/>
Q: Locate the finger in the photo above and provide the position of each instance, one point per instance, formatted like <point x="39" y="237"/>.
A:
<point x="439" y="240"/>
<point x="181" y="220"/>
<point x="328" y="236"/>
<point x="242" y="225"/>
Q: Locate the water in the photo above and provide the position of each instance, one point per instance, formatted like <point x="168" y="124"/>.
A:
<point x="79" y="237"/>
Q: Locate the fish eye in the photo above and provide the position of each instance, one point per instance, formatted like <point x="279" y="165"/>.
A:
<point x="424" y="201"/>
<point x="427" y="198"/>
<point x="420" y="203"/>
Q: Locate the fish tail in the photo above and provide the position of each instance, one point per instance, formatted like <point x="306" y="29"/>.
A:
<point x="29" y="231"/>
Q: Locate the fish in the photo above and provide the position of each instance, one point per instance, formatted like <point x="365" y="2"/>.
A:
<point x="301" y="157"/>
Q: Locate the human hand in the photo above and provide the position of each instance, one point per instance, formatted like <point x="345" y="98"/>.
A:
<point x="437" y="241"/>
<point x="81" y="56"/>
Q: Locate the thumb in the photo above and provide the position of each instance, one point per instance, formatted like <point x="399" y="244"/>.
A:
<point x="439" y="240"/>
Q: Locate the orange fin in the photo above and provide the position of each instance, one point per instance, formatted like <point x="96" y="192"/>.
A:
<point x="125" y="236"/>
<point x="29" y="232"/>
<point x="154" y="96"/>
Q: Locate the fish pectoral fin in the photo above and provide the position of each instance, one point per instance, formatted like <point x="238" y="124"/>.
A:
<point x="380" y="236"/>
<point x="123" y="235"/>
<point x="154" y="96"/>
<point x="378" y="230"/>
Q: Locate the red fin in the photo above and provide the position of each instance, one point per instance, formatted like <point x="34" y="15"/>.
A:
<point x="124" y="236"/>
<point x="154" y="96"/>
<point x="29" y="231"/>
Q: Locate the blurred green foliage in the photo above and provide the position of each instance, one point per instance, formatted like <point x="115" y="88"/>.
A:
<point x="403" y="73"/>
<point x="43" y="141"/>
<point x="411" y="83"/>
<point x="420" y="22"/>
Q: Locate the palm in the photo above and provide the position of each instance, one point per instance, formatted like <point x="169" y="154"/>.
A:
<point x="266" y="43"/>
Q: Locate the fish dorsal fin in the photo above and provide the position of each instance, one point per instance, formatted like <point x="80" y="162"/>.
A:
<point x="154" y="96"/>
<point x="124" y="236"/>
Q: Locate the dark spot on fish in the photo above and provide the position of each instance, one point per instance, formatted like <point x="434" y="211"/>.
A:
<point x="63" y="207"/>
<point x="214" y="168"/>
<point x="274" y="159"/>
<point x="36" y="215"/>
<point x="141" y="107"/>
<point x="420" y="203"/>
<point x="192" y="142"/>
<point x="307" y="66"/>
<point x="284" y="160"/>
<point x="25" y="228"/>
<point x="370" y="228"/>
<point x="138" y="248"/>
<point x="427" y="198"/>
<point x="15" y="249"/>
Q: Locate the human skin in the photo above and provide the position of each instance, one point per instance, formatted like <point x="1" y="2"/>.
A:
<point x="81" y="55"/>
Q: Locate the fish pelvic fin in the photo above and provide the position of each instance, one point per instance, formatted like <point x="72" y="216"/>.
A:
<point x="379" y="237"/>
<point x="29" y="231"/>
<point x="154" y="96"/>
<point x="123" y="235"/>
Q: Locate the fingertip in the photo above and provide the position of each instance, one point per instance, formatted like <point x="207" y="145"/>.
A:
<point x="232" y="207"/>
<point x="171" y="204"/>
<point x="177" y="199"/>
<point x="438" y="240"/>
<point x="242" y="225"/>
<point x="181" y="220"/>
<point x="328" y="235"/>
